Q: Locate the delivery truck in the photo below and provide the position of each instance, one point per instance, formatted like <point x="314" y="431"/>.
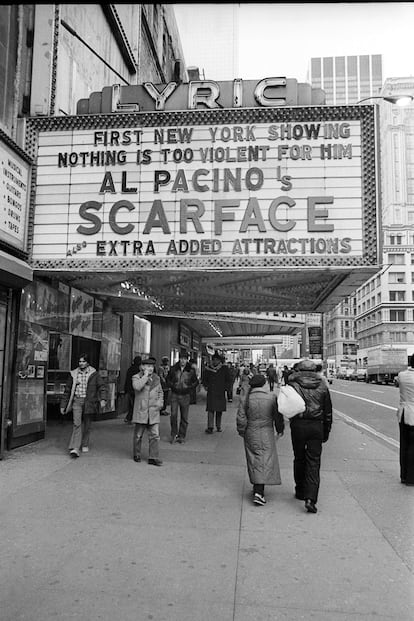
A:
<point x="384" y="363"/>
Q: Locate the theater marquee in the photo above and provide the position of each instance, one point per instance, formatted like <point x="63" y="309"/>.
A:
<point x="257" y="187"/>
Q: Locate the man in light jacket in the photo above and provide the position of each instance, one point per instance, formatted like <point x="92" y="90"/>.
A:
<point x="149" y="399"/>
<point x="85" y="390"/>
<point x="405" y="415"/>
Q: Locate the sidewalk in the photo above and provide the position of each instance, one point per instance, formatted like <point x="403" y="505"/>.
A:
<point x="103" y="538"/>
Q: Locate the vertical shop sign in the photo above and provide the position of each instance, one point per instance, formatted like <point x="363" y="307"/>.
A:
<point x="315" y="340"/>
<point x="14" y="181"/>
<point x="184" y="336"/>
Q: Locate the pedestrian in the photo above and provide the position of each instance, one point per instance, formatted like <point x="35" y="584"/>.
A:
<point x="149" y="399"/>
<point x="244" y="380"/>
<point x="216" y="381"/>
<point x="181" y="379"/>
<point x="85" y="392"/>
<point x="285" y="374"/>
<point x="405" y="415"/>
<point x="232" y="379"/>
<point x="309" y="430"/>
<point x="321" y="374"/>
<point x="129" y="391"/>
<point x="271" y="376"/>
<point x="257" y="418"/>
<point x="193" y="394"/>
<point x="163" y="371"/>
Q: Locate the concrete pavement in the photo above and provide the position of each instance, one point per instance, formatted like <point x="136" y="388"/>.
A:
<point x="104" y="538"/>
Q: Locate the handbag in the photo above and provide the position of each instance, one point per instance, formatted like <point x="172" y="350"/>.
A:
<point x="289" y="402"/>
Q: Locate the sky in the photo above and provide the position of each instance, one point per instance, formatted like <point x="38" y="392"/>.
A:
<point x="280" y="38"/>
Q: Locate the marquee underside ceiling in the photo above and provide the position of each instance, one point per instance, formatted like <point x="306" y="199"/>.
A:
<point x="191" y="294"/>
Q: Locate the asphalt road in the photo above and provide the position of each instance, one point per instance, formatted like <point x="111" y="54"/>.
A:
<point x="374" y="405"/>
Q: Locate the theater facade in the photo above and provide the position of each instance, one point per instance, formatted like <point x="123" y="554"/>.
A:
<point x="180" y="201"/>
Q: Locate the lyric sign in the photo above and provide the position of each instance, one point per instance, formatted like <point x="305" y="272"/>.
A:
<point x="212" y="184"/>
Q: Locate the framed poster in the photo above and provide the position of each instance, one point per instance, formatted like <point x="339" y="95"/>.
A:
<point x="29" y="401"/>
<point x="81" y="313"/>
<point x="32" y="349"/>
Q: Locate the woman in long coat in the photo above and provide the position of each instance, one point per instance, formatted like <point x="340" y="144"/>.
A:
<point x="257" y="416"/>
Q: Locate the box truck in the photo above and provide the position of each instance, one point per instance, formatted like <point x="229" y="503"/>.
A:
<point x="384" y="363"/>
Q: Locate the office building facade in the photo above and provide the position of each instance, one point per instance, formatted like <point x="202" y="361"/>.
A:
<point x="347" y="79"/>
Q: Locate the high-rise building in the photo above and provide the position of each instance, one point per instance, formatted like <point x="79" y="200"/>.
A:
<point x="385" y="303"/>
<point x="381" y="312"/>
<point x="346" y="79"/>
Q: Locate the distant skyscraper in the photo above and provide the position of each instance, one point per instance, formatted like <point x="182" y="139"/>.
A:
<point x="346" y="79"/>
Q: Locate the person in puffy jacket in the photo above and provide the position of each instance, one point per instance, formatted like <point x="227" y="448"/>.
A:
<point x="257" y="416"/>
<point x="182" y="379"/>
<point x="148" y="401"/>
<point x="309" y="431"/>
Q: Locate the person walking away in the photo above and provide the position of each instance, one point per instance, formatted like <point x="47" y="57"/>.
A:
<point x="257" y="418"/>
<point x="148" y="401"/>
<point x="271" y="376"/>
<point x="193" y="394"/>
<point x="309" y="431"/>
<point x="163" y="371"/>
<point x="181" y="379"/>
<point x="405" y="416"/>
<point x="84" y="392"/>
<point x="232" y="379"/>
<point x="244" y="381"/>
<point x="216" y="382"/>
<point x="129" y="391"/>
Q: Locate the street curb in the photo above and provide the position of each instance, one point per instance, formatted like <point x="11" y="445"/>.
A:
<point x="390" y="442"/>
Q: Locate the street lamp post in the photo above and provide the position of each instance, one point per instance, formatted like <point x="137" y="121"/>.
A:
<point x="399" y="100"/>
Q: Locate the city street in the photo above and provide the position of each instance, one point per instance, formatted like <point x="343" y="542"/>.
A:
<point x="374" y="405"/>
<point x="103" y="538"/>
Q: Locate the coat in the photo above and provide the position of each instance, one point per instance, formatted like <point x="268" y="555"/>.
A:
<point x="257" y="415"/>
<point x="406" y="406"/>
<point x="148" y="400"/>
<point x="182" y="382"/>
<point x="317" y="397"/>
<point x="96" y="391"/>
<point x="217" y="381"/>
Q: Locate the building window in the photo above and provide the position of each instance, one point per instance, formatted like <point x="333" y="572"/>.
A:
<point x="397" y="296"/>
<point x="396" y="259"/>
<point x="397" y="315"/>
<point x="397" y="277"/>
<point x="395" y="240"/>
<point x="398" y="337"/>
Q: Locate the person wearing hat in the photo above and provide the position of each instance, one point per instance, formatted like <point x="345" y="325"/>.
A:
<point x="216" y="380"/>
<point x="149" y="399"/>
<point x="163" y="371"/>
<point x="309" y="431"/>
<point x="128" y="390"/>
<point x="181" y="380"/>
<point x="257" y="418"/>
